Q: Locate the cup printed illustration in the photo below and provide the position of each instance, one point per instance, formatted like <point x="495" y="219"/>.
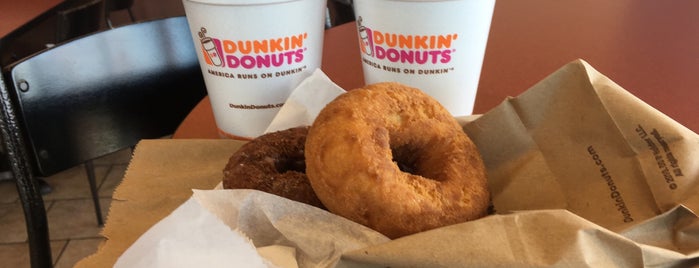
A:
<point x="211" y="53"/>
<point x="364" y="38"/>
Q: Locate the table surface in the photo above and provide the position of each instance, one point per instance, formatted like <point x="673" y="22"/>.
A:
<point x="650" y="48"/>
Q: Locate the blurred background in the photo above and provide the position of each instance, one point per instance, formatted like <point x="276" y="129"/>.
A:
<point x="73" y="18"/>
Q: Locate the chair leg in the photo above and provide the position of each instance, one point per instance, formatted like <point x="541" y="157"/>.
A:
<point x="29" y="194"/>
<point x="90" y="170"/>
<point x="109" y="22"/>
<point x="133" y="19"/>
<point x="36" y="220"/>
<point x="44" y="187"/>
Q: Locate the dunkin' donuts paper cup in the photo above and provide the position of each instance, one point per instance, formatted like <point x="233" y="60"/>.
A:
<point x="253" y="53"/>
<point x="437" y="46"/>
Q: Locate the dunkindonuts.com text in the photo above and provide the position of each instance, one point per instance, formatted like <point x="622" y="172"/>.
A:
<point x="614" y="191"/>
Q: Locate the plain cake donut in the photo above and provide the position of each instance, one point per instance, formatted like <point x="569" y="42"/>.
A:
<point x="392" y="158"/>
<point x="272" y="163"/>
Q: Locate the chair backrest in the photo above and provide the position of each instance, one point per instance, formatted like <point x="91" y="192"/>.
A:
<point x="75" y="21"/>
<point x="106" y="91"/>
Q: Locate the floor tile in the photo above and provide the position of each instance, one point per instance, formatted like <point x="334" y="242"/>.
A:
<point x="12" y="226"/>
<point x="76" y="250"/>
<point x="72" y="183"/>
<point x="17" y="254"/>
<point x="8" y="192"/>
<point x="75" y="218"/>
<point x="113" y="179"/>
<point x="73" y="227"/>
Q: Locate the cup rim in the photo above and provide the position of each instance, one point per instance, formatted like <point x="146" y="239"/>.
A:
<point x="240" y="2"/>
<point x="416" y="1"/>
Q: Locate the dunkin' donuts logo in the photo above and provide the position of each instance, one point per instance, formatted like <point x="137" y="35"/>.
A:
<point x="405" y="48"/>
<point x="252" y="54"/>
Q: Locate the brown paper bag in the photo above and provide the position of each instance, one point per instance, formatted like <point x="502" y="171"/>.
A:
<point x="591" y="148"/>
<point x="583" y="174"/>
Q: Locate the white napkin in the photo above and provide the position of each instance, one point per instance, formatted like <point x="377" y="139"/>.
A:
<point x="305" y="102"/>
<point x="179" y="241"/>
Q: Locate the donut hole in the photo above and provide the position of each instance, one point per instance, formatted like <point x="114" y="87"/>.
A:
<point x="406" y="157"/>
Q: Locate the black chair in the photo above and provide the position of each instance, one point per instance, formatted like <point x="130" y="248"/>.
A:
<point x="339" y="12"/>
<point x="90" y="97"/>
<point x="117" y="5"/>
<point x="84" y="17"/>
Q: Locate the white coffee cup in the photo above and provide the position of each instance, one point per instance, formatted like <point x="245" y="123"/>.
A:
<point x="434" y="45"/>
<point x="253" y="53"/>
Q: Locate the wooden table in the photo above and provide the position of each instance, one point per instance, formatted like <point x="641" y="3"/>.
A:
<point x="651" y="48"/>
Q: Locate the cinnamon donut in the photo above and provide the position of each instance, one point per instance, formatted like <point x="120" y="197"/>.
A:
<point x="392" y="158"/>
<point x="272" y="163"/>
